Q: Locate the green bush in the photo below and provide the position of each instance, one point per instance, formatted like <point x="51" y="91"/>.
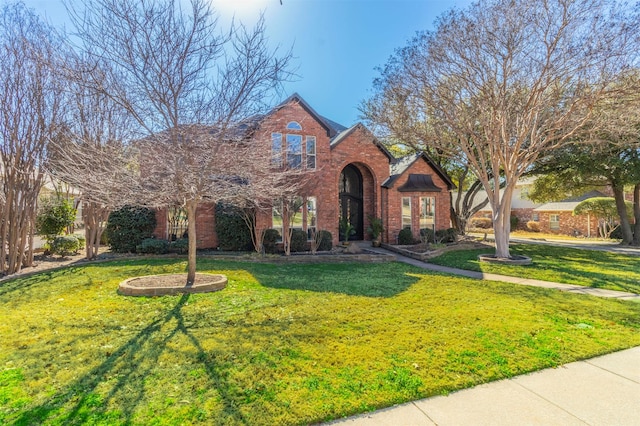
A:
<point x="515" y="220"/>
<point x="180" y="246"/>
<point x="127" y="227"/>
<point x="326" y="241"/>
<point x="233" y="233"/>
<point x="270" y="241"/>
<point x="298" y="240"/>
<point x="448" y="235"/>
<point x="405" y="237"/>
<point x="427" y="235"/>
<point x="153" y="246"/>
<point x="65" y="245"/>
<point x="54" y="215"/>
<point x="482" y="222"/>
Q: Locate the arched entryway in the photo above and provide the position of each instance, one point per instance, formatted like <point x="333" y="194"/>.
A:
<point x="351" y="200"/>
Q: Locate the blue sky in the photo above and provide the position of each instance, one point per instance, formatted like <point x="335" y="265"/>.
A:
<point x="336" y="43"/>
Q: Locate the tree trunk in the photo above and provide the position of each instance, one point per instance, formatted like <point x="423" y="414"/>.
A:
<point x="625" y="225"/>
<point x="636" y="215"/>
<point x="502" y="221"/>
<point x="192" y="205"/>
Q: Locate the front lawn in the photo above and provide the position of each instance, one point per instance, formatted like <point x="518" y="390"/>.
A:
<point x="292" y="344"/>
<point x="591" y="268"/>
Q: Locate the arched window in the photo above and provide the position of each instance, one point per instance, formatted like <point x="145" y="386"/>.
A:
<point x="294" y="125"/>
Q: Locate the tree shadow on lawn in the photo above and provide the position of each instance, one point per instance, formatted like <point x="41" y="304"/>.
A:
<point x="353" y="279"/>
<point x="129" y="365"/>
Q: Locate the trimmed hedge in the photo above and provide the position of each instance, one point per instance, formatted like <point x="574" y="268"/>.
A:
<point x="449" y="235"/>
<point x="233" y="233"/>
<point x="65" y="245"/>
<point x="153" y="246"/>
<point x="298" y="240"/>
<point x="128" y="227"/>
<point x="405" y="237"/>
<point x="482" y="222"/>
<point x="180" y="246"/>
<point x="533" y="226"/>
<point x="326" y="241"/>
<point x="270" y="241"/>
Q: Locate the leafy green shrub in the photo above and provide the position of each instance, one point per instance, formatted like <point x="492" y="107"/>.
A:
<point x="298" y="240"/>
<point x="533" y="226"/>
<point x="153" y="246"/>
<point x="180" y="246"/>
<point x="326" y="241"/>
<point x="405" y="237"/>
<point x="233" y="233"/>
<point x="616" y="234"/>
<point x="427" y="235"/>
<point x="515" y="220"/>
<point x="448" y="235"/>
<point x="54" y="215"/>
<point x="82" y="241"/>
<point x="65" y="245"/>
<point x="270" y="241"/>
<point x="482" y="222"/>
<point x="127" y="227"/>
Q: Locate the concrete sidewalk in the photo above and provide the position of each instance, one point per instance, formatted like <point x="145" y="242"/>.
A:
<point x="598" y="391"/>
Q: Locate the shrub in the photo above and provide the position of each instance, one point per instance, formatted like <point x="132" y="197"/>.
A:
<point x="616" y="234"/>
<point x="153" y="246"/>
<point x="180" y="246"/>
<point x="82" y="241"/>
<point x="298" y="240"/>
<point x="270" y="241"/>
<point x="326" y="241"/>
<point x="65" y="245"/>
<point x="448" y="235"/>
<point x="127" y="227"/>
<point x="54" y="216"/>
<point x="427" y="236"/>
<point x="405" y="237"/>
<point x="482" y="222"/>
<point x="515" y="220"/>
<point x="533" y="226"/>
<point x="233" y="233"/>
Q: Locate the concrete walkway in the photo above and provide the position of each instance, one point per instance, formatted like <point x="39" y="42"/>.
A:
<point x="571" y="288"/>
<point x="598" y="391"/>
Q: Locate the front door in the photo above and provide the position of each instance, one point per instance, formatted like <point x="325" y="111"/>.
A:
<point x="351" y="202"/>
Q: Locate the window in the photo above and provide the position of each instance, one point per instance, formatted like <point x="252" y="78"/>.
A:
<point x="276" y="149"/>
<point x="427" y="212"/>
<point x="176" y="223"/>
<point x="297" y="214"/>
<point x="294" y="151"/>
<point x="312" y="219"/>
<point x="294" y="125"/>
<point x="406" y="212"/>
<point x="311" y="152"/>
<point x="554" y="221"/>
<point x="535" y="217"/>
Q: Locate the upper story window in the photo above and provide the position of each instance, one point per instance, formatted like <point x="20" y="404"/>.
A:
<point x="293" y="150"/>
<point x="276" y="149"/>
<point x="311" y="152"/>
<point x="294" y="125"/>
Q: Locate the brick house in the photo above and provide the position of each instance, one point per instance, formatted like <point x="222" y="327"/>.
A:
<point x="354" y="177"/>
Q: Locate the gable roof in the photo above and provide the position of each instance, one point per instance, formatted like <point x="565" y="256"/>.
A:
<point x="568" y="204"/>
<point x="346" y="132"/>
<point x="403" y="164"/>
<point x="331" y="127"/>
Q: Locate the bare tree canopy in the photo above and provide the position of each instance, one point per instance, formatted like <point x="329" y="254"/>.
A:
<point x="506" y="80"/>
<point x="30" y="107"/>
<point x="190" y="88"/>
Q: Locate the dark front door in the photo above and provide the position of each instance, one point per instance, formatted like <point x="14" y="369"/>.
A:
<point x="351" y="205"/>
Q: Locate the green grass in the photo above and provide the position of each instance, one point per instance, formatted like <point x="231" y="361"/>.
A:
<point x="282" y="344"/>
<point x="591" y="268"/>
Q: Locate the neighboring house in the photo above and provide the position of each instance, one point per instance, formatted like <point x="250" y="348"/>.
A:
<point x="558" y="218"/>
<point x="554" y="218"/>
<point x="354" y="177"/>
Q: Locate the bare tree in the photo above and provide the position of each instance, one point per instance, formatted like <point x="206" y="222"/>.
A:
<point x="510" y="79"/>
<point x="30" y="106"/>
<point x="188" y="86"/>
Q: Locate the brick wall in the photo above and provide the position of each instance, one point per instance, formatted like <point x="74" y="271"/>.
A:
<point x="393" y="203"/>
<point x="582" y="225"/>
<point x="205" y="226"/>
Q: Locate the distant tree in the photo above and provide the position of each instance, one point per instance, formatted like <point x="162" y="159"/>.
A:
<point x="602" y="208"/>
<point x="30" y="108"/>
<point x="504" y="81"/>
<point x="55" y="214"/>
<point x="189" y="87"/>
